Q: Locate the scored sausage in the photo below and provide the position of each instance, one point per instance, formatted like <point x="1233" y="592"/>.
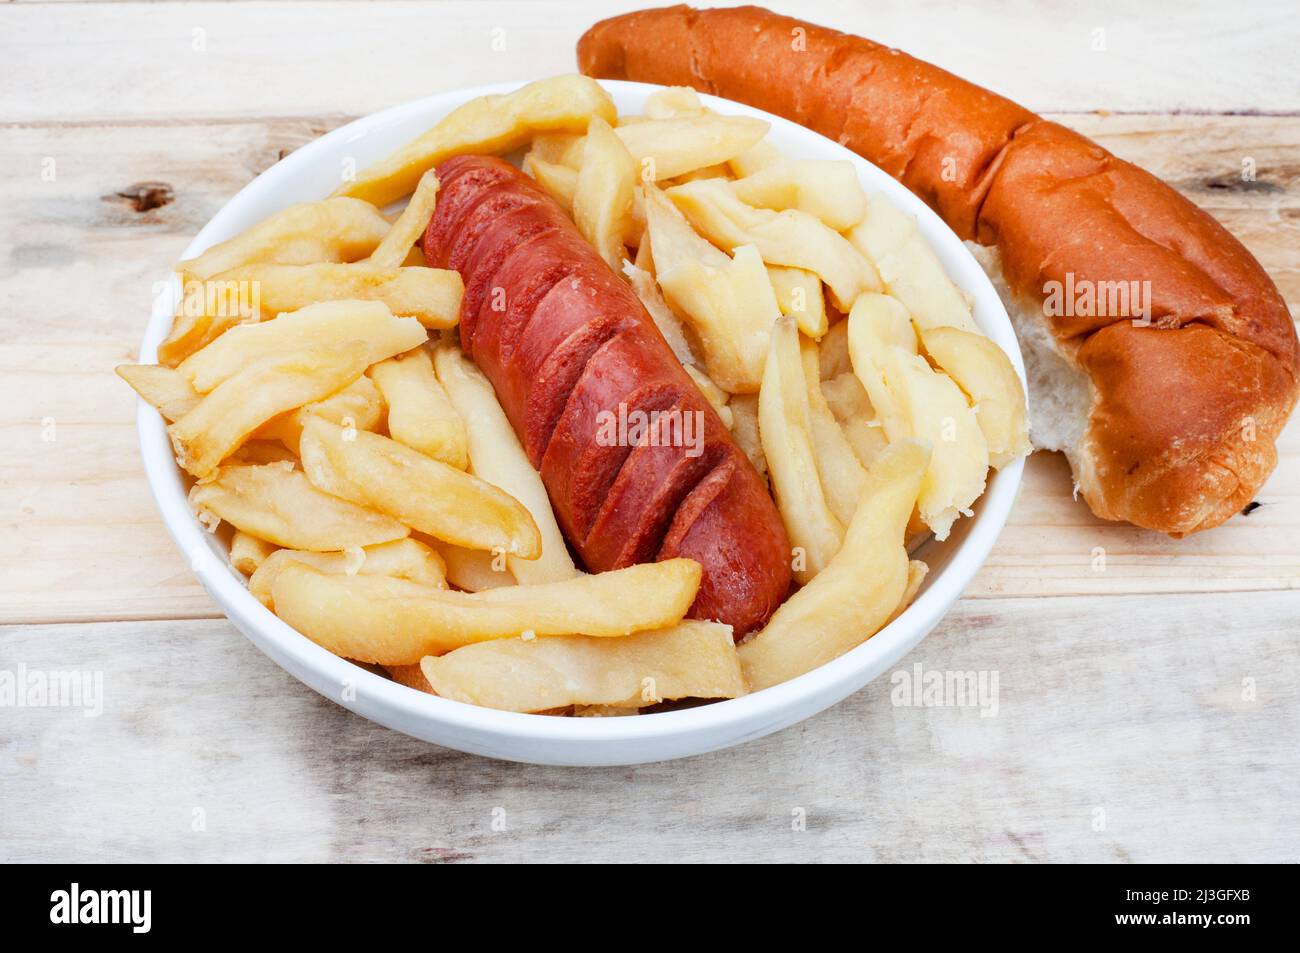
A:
<point x="577" y="364"/>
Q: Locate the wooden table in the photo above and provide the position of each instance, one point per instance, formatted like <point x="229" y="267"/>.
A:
<point x="1149" y="707"/>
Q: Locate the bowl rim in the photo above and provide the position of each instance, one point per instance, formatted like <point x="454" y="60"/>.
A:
<point x="763" y="711"/>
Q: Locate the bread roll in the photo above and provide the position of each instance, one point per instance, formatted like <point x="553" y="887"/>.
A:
<point x="1163" y="360"/>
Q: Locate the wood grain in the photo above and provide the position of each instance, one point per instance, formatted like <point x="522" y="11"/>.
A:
<point x="1127" y="713"/>
<point x="78" y="263"/>
<point x="115" y="61"/>
<point x="1167" y="709"/>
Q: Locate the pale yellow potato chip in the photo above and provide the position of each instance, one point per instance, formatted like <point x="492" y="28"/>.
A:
<point x="496" y="456"/>
<point x="423" y="493"/>
<point x="409" y="227"/>
<point x="727" y="300"/>
<point x="785" y="426"/>
<point x="827" y="189"/>
<point x="909" y="269"/>
<point x="857" y="593"/>
<point x="337" y="229"/>
<point x="402" y="558"/>
<point x="277" y="503"/>
<point x="330" y="323"/>
<point x="604" y="192"/>
<point x="799" y="294"/>
<point x="239" y="405"/>
<point x="392" y="621"/>
<point x="430" y="295"/>
<point x="984" y="373"/>
<point x="692" y="659"/>
<point x="913" y="400"/>
<point x="165" y="389"/>
<point x="420" y="414"/>
<point x="791" y="238"/>
<point x="667" y="148"/>
<point x="247" y="552"/>
<point x="487" y="125"/>
<point x="842" y="475"/>
<point x="359" y="406"/>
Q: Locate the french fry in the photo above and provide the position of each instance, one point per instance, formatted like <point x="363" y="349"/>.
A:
<point x="329" y="324"/>
<point x="166" y="390"/>
<point x="643" y="260"/>
<point x="561" y="148"/>
<point x="916" y="573"/>
<point x="420" y="414"/>
<point x="689" y="660"/>
<point x="826" y="189"/>
<point x="715" y="394"/>
<point x="247" y="552"/>
<point x="909" y="268"/>
<point x="719" y="171"/>
<point x="259" y="451"/>
<point x="599" y="711"/>
<point x="233" y="410"/>
<point x="474" y="570"/>
<point x="754" y="159"/>
<point x="799" y="294"/>
<point x="496" y="456"/>
<point x="395" y="622"/>
<point x="489" y="124"/>
<point x="277" y="503"/>
<point x="358" y="406"/>
<point x="559" y="181"/>
<point x="911" y="399"/>
<point x="430" y="295"/>
<point x="833" y="351"/>
<point x="672" y="101"/>
<point x="206" y="310"/>
<point x="411" y="676"/>
<point x="425" y="494"/>
<point x="857" y="592"/>
<point x="604" y="191"/>
<point x="791" y="238"/>
<point x="843" y="478"/>
<point x="984" y="373"/>
<point x="785" y="426"/>
<point x="847" y="400"/>
<point x="667" y="148"/>
<point x="665" y="319"/>
<point x="402" y="559"/>
<point x="337" y="229"/>
<point x="744" y="428"/>
<point x="409" y="227"/>
<point x="727" y="300"/>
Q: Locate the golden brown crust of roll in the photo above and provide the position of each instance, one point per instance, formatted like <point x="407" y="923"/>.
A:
<point x="1190" y="392"/>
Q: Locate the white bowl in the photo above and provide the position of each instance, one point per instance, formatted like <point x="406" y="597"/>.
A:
<point x="313" y="172"/>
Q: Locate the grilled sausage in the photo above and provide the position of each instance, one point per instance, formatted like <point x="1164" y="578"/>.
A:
<point x="577" y="364"/>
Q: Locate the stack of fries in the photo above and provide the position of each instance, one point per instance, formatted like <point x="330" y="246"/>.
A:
<point x="379" y="501"/>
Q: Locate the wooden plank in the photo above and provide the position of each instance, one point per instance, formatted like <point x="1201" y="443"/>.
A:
<point x="113" y="61"/>
<point x="80" y="538"/>
<point x="1126" y="729"/>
